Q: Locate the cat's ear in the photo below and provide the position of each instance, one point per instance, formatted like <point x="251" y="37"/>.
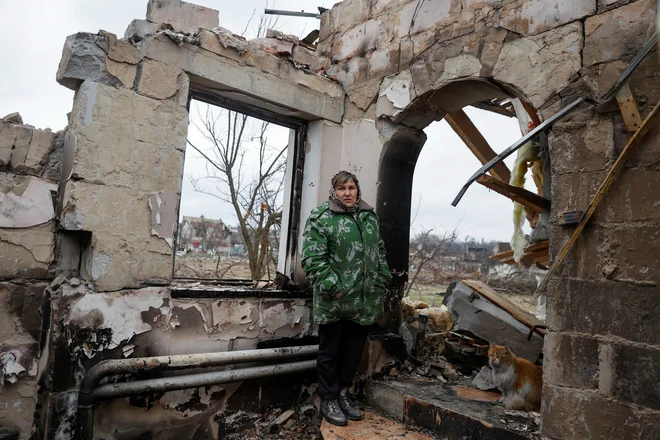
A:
<point x="506" y="349"/>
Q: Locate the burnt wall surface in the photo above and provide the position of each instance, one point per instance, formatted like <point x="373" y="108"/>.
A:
<point x="88" y="214"/>
<point x="405" y="60"/>
<point x="88" y="217"/>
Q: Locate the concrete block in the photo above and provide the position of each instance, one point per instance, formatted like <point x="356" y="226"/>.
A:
<point x="306" y="57"/>
<point x="120" y="260"/>
<point x="633" y="197"/>
<point x="13" y="137"/>
<point x="620" y="33"/>
<point x="388" y="399"/>
<point x="27" y="252"/>
<point x="576" y="414"/>
<point x="350" y="13"/>
<point x="587" y="146"/>
<point x="570" y="361"/>
<point x="104" y="208"/>
<point x="160" y="81"/>
<point x="138" y="29"/>
<point x="182" y="16"/>
<point x="84" y="58"/>
<point x="273" y="46"/>
<point x="606" y="308"/>
<point x="25" y="148"/>
<point x="530" y="17"/>
<point x="542" y="64"/>
<point x="634" y="254"/>
<point x="127" y="140"/>
<point x="124" y="72"/>
<point x="358" y="41"/>
<point x="41" y="145"/>
<point x="307" y="95"/>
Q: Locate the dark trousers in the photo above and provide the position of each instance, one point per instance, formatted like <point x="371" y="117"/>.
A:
<point x="340" y="350"/>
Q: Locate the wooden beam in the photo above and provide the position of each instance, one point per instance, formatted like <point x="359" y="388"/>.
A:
<point x="629" y="110"/>
<point x="628" y="150"/>
<point x="526" y="198"/>
<point x="531" y="112"/>
<point x="529" y="258"/>
<point x="467" y="131"/>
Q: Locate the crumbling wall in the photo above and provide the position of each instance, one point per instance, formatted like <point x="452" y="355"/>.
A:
<point x="411" y="61"/>
<point x="93" y="277"/>
<point x="29" y="169"/>
<point x="88" y="217"/>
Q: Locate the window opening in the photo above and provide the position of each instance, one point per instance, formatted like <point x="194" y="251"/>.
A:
<point x="232" y="196"/>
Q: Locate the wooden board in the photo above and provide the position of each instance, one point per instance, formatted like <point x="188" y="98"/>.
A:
<point x="484" y="290"/>
<point x="466" y="130"/>
<point x="530" y="257"/>
<point x="628" y="108"/>
<point x="545" y="244"/>
<point x="526" y="198"/>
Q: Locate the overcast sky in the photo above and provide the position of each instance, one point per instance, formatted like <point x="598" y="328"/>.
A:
<point x="35" y="31"/>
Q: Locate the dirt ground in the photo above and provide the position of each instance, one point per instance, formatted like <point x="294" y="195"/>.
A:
<point x="203" y="266"/>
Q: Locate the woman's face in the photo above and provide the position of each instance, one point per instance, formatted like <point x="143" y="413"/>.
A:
<point x="347" y="192"/>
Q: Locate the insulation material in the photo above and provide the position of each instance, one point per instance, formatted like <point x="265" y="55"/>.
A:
<point x="527" y="155"/>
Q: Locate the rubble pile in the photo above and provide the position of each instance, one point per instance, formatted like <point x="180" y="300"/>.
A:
<point x="300" y="423"/>
<point x="449" y="344"/>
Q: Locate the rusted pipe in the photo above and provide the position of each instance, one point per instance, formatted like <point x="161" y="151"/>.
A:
<point x="161" y="363"/>
<point x="124" y="389"/>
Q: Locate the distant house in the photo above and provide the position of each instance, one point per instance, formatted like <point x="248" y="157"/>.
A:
<point x="201" y="234"/>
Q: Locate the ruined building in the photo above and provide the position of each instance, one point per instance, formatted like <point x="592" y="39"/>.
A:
<point x="88" y="215"/>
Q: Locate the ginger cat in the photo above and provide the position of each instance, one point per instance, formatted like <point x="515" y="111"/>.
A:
<point x="519" y="380"/>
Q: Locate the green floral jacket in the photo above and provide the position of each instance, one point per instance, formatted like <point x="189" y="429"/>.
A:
<point x="343" y="252"/>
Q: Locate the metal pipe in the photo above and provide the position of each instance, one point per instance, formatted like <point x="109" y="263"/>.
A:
<point x="547" y="125"/>
<point x="124" y="389"/>
<point x="292" y="13"/>
<point x="162" y="363"/>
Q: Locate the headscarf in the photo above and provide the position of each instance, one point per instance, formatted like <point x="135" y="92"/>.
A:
<point x="341" y="177"/>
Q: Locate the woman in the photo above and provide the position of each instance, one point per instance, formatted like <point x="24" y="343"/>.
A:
<point x="344" y="259"/>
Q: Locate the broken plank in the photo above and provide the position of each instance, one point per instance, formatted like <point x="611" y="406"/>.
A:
<point x="545" y="244"/>
<point x="628" y="150"/>
<point x="468" y="132"/>
<point x="530" y="257"/>
<point x="526" y="198"/>
<point x="519" y="314"/>
<point x="501" y="255"/>
<point x="629" y="109"/>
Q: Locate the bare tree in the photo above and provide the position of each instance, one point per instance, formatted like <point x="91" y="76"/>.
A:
<point x="252" y="189"/>
<point x="426" y="247"/>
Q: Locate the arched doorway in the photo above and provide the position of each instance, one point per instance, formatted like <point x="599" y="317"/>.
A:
<point x="402" y="149"/>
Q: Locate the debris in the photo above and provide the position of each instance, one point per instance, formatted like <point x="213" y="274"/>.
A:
<point x="13" y="118"/>
<point x="483" y="380"/>
<point x="229" y="40"/>
<point x="477" y="308"/>
<point x="307" y="410"/>
<point x="286" y="415"/>
<point x="447" y="370"/>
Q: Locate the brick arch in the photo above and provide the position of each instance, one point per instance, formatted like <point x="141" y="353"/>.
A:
<point x="401" y="151"/>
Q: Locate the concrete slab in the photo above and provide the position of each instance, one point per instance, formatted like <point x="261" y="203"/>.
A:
<point x="373" y="427"/>
<point x="452" y="412"/>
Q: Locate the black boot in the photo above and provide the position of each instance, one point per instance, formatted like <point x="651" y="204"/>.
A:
<point x="348" y="407"/>
<point x="332" y="412"/>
